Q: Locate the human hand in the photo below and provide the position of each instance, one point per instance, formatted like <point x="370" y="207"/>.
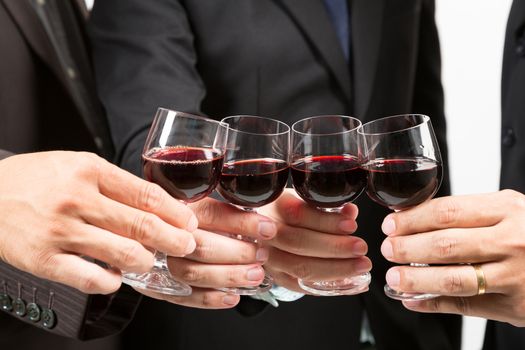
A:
<point x="59" y="206"/>
<point x="487" y="230"/>
<point x="218" y="260"/>
<point x="313" y="245"/>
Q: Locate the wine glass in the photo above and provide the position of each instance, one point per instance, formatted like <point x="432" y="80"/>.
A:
<point x="255" y="171"/>
<point x="183" y="154"/>
<point x="327" y="174"/>
<point x="404" y="168"/>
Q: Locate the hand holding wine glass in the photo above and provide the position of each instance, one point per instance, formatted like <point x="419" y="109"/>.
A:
<point x="255" y="172"/>
<point x="327" y="174"/>
<point x="183" y="154"/>
<point x="404" y="168"/>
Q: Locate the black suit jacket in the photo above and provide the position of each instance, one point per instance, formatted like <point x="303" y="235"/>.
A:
<point x="277" y="58"/>
<point x="503" y="336"/>
<point x="47" y="101"/>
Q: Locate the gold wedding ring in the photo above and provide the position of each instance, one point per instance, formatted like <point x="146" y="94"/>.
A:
<point x="480" y="276"/>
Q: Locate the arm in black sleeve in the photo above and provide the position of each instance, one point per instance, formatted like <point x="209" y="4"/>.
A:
<point x="144" y="58"/>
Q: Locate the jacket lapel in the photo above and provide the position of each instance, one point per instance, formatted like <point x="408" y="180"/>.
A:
<point x="312" y="18"/>
<point x="367" y="20"/>
<point x="33" y="30"/>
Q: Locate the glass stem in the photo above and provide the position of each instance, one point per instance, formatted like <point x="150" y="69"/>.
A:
<point x="161" y="261"/>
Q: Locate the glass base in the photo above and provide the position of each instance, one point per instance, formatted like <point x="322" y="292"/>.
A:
<point x="348" y="286"/>
<point x="394" y="294"/>
<point x="265" y="286"/>
<point x="331" y="210"/>
<point x="157" y="280"/>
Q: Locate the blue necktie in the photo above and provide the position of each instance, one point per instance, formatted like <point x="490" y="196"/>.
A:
<point x="338" y="11"/>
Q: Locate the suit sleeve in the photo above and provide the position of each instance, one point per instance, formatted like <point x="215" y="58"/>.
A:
<point x="144" y="58"/>
<point x="428" y="95"/>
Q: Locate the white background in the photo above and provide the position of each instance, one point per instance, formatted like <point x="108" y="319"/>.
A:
<point x="472" y="35"/>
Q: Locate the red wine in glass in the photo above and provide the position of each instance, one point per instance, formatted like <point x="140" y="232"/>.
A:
<point x="403" y="183"/>
<point x="404" y="168"/>
<point x="183" y="154"/>
<point x="328" y="181"/>
<point x="186" y="173"/>
<point x="327" y="174"/>
<point x="253" y="183"/>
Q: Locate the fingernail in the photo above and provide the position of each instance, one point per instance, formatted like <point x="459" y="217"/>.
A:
<point x="193" y="223"/>
<point x="230" y="299"/>
<point x="392" y="278"/>
<point x="388" y="226"/>
<point x="360" y="248"/>
<point x="363" y="266"/>
<point x="190" y="247"/>
<point x="262" y="254"/>
<point x="255" y="274"/>
<point x="348" y="226"/>
<point x="267" y="229"/>
<point x="387" y="250"/>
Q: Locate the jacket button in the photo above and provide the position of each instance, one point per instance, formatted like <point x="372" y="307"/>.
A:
<point x="33" y="311"/>
<point x="20" y="307"/>
<point x="5" y="302"/>
<point x="508" y="139"/>
<point x="49" y="319"/>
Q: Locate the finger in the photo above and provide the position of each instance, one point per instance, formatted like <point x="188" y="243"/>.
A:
<point x="458" y="211"/>
<point x="215" y="276"/>
<point x="317" y="269"/>
<point x="285" y="280"/>
<point x="213" y="248"/>
<point x="199" y="298"/>
<point x="132" y="191"/>
<point x="459" y="280"/>
<point x="217" y="216"/>
<point x="138" y="225"/>
<point x="123" y="253"/>
<point x="80" y="274"/>
<point x="310" y="243"/>
<point x="449" y="246"/>
<point x="295" y="212"/>
<point x="490" y="306"/>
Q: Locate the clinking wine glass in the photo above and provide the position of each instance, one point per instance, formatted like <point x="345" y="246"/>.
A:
<point x="404" y="168"/>
<point x="255" y="171"/>
<point x="183" y="154"/>
<point x="327" y="174"/>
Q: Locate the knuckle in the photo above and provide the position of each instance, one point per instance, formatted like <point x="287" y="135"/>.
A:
<point x="203" y="251"/>
<point x="141" y="226"/>
<point x="207" y="212"/>
<point x="462" y="305"/>
<point x="399" y="248"/>
<point x="433" y="305"/>
<point x="152" y="197"/>
<point x="207" y="300"/>
<point x="90" y="283"/>
<point x="45" y="265"/>
<point x="447" y="211"/>
<point x="234" y="277"/>
<point x="67" y="203"/>
<point x="406" y="281"/>
<point x="302" y="271"/>
<point x="191" y="274"/>
<point x="128" y="255"/>
<point x="445" y="247"/>
<point x="452" y="284"/>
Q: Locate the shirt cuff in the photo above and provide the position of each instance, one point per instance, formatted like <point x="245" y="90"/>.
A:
<point x="276" y="294"/>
